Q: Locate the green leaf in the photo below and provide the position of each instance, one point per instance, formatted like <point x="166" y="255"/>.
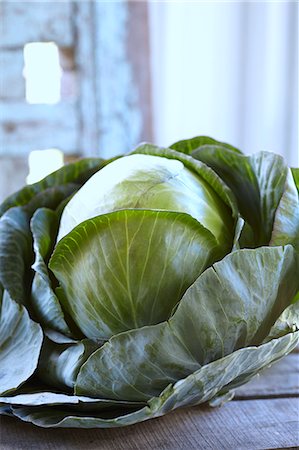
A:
<point x="77" y="172"/>
<point x="237" y="173"/>
<point x="59" y="364"/>
<point x="78" y="403"/>
<point x="226" y="207"/>
<point x="48" y="417"/>
<point x="5" y="410"/>
<point x="296" y="298"/>
<point x="287" y="322"/>
<point x="20" y="344"/>
<point x="238" y="232"/>
<point x="16" y="253"/>
<point x="129" y="268"/>
<point x="51" y="197"/>
<point x="153" y="181"/>
<point x="202" y="170"/>
<point x="271" y="172"/>
<point x="241" y="296"/>
<point x="286" y="220"/>
<point x="201" y="386"/>
<point x="44" y="302"/>
<point x="188" y="145"/>
<point x="223" y="375"/>
<point x="295" y="173"/>
<point x="59" y="338"/>
<point x="150" y="358"/>
<point x="231" y="305"/>
<point x="258" y="183"/>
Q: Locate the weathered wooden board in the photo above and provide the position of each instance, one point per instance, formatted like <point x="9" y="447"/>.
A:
<point x="87" y="107"/>
<point x="25" y="127"/>
<point x="119" y="93"/>
<point x="12" y="82"/>
<point x="36" y="21"/>
<point x="138" y="50"/>
<point x="105" y="86"/>
<point x="13" y="175"/>
<point x="239" y="425"/>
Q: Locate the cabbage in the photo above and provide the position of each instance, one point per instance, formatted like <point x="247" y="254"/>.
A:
<point x="160" y="279"/>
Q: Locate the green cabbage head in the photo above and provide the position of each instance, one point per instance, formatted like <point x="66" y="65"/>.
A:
<point x="130" y="287"/>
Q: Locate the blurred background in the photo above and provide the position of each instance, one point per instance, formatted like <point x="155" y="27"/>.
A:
<point x="95" y="78"/>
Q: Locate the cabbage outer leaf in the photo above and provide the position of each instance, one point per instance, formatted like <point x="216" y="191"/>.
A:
<point x="46" y="398"/>
<point x="197" y="388"/>
<point x="231" y="305"/>
<point x="129" y="268"/>
<point x="20" y="344"/>
<point x="202" y="170"/>
<point x="295" y="173"/>
<point x="265" y="191"/>
<point x="44" y="302"/>
<point x="286" y="220"/>
<point x="15" y="253"/>
<point x="188" y="145"/>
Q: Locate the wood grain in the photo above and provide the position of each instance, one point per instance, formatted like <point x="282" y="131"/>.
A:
<point x="84" y="50"/>
<point x="138" y="49"/>
<point x="105" y="87"/>
<point x="13" y="175"/>
<point x="248" y="424"/>
<point x="25" y="127"/>
<point x="12" y="82"/>
<point x="34" y="22"/>
<point x="255" y="424"/>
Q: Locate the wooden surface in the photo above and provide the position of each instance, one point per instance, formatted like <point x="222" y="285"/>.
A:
<point x="263" y="415"/>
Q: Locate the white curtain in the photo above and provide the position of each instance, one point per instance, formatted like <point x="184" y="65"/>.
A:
<point x="228" y="70"/>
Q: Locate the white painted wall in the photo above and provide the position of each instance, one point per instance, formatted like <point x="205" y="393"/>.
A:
<point x="228" y="70"/>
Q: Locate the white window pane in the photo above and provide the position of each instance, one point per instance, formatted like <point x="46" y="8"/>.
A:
<point x="42" y="72"/>
<point x="42" y="163"/>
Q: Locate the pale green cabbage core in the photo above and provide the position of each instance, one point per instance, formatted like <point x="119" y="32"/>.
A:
<point x="148" y="182"/>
